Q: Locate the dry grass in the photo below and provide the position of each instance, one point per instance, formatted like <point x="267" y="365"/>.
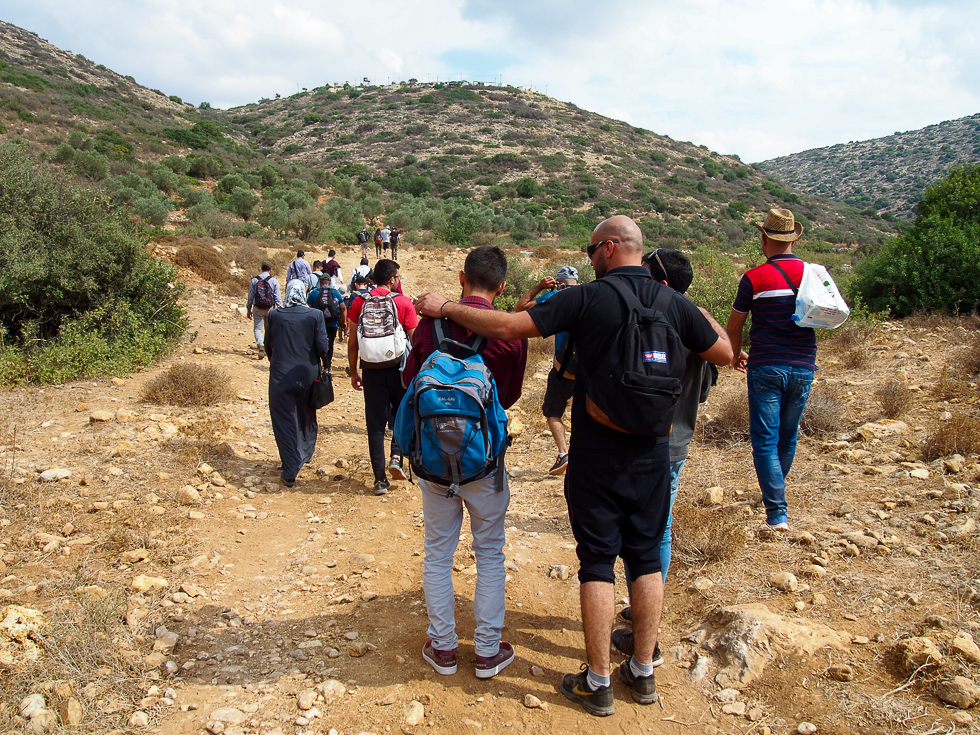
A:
<point x="249" y="256"/>
<point x="204" y="261"/>
<point x="894" y="397"/>
<point x="539" y="349"/>
<point x="949" y="386"/>
<point x="825" y="410"/>
<point x="188" y="384"/>
<point x="706" y="536"/>
<point x="729" y="418"/>
<point x="959" y="435"/>
<point x="280" y="262"/>
<point x="966" y="363"/>
<point x="545" y="252"/>
<point x="856" y="357"/>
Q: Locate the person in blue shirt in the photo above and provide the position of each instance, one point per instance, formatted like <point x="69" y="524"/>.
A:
<point x="560" y="387"/>
<point x="331" y="321"/>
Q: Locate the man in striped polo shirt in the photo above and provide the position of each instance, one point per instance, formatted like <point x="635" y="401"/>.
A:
<point x="781" y="364"/>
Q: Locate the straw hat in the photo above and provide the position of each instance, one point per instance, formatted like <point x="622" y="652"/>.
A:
<point x="780" y="225"/>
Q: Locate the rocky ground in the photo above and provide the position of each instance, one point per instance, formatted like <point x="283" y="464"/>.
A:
<point x="154" y="576"/>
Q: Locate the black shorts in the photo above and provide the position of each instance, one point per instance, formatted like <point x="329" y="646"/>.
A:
<point x="618" y="503"/>
<point x="557" y="395"/>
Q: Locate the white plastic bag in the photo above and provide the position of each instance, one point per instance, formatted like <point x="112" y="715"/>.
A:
<point x="819" y="304"/>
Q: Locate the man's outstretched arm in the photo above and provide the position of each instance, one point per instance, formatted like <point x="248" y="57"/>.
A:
<point x="493" y="324"/>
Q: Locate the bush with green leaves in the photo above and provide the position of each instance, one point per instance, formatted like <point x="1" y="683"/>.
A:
<point x="242" y="202"/>
<point x="935" y="265"/>
<point x="178" y="164"/>
<point x="526" y="187"/>
<point x="79" y="295"/>
<point x="92" y="165"/>
<point x="228" y="182"/>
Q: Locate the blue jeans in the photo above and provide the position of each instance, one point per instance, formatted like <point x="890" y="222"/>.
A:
<point x="675" y="481"/>
<point x="777" y="397"/>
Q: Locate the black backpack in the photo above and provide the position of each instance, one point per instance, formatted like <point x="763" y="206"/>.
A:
<point x="634" y="385"/>
<point x="264" y="295"/>
<point x="329" y="304"/>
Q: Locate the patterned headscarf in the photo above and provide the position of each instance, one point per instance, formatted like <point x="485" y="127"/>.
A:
<point x="295" y="293"/>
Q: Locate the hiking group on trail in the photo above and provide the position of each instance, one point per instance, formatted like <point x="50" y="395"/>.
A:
<point x="635" y="356"/>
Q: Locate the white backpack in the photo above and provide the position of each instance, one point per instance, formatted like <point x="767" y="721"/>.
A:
<point x="381" y="339"/>
<point x="819" y="304"/>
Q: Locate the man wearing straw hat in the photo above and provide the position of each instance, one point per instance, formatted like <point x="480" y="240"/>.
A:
<point x="780" y="367"/>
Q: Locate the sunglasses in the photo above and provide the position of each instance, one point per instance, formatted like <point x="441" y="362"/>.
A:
<point x="590" y="251"/>
<point x="655" y="255"/>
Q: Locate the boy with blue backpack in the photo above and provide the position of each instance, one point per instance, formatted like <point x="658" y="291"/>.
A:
<point x="452" y="428"/>
<point x="330" y="301"/>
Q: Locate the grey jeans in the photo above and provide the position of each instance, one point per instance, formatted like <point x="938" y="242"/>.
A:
<point x="443" y="516"/>
<point x="259" y="317"/>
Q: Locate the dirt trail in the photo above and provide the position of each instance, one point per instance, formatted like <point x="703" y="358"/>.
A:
<point x="272" y="591"/>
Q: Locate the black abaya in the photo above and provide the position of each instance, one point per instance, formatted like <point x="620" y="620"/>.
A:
<point x="295" y="339"/>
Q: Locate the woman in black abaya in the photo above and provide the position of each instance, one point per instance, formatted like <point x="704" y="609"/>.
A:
<point x="295" y="340"/>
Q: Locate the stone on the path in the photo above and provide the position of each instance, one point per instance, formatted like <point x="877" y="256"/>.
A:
<point x="702" y="584"/>
<point x="813" y="570"/>
<point x="840" y="672"/>
<point x="139" y="719"/>
<point x="965" y="648"/>
<point x="118" y="381"/>
<point x="331" y="690"/>
<point x="919" y="473"/>
<point x="188" y="495"/>
<point x="54" y="474"/>
<point x="783" y="581"/>
<point x="537" y="671"/>
<point x="166" y="639"/>
<point x="414" y="713"/>
<point x="713" y="496"/>
<point x="361" y="560"/>
<point x="917" y="652"/>
<point x="124" y="415"/>
<point x="961" y="718"/>
<point x="228" y="715"/>
<point x="31" y="704"/>
<point x="134" y="556"/>
<point x="880" y="429"/>
<point x="195" y="515"/>
<point x="144" y="583"/>
<point x="306" y="699"/>
<point x="963" y="530"/>
<point x="72" y="712"/>
<point x="100" y="417"/>
<point x="860" y="540"/>
<point x="726" y="696"/>
<point x="358" y="649"/>
<point x="959" y="692"/>
<point x="955" y="464"/>
<point x="734" y="708"/>
<point x="806" y="728"/>
<point x="558" y="571"/>
<point x="748" y="637"/>
<point x="532" y="702"/>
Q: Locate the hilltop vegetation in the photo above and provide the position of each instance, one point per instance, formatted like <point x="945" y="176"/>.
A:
<point x="451" y="160"/>
<point x="885" y="176"/>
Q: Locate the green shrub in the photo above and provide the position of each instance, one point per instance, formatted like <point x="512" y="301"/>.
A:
<point x="204" y="166"/>
<point x="935" y="265"/>
<point x="199" y="135"/>
<point x="78" y="293"/>
<point x="242" y="202"/>
<point x="94" y="166"/>
<point x="526" y="187"/>
<point x="178" y="164"/>
<point x="715" y="283"/>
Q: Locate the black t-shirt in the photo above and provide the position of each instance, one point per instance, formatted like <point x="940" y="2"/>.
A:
<point x="593" y="313"/>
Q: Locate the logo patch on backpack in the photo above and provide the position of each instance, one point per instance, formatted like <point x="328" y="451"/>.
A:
<point x="655" y="356"/>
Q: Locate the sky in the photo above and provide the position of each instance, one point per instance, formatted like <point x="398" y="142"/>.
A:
<point x="756" y="78"/>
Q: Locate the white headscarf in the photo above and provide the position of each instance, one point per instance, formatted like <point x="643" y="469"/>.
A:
<point x="295" y="293"/>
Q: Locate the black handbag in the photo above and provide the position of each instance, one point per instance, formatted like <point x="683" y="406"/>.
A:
<point x="321" y="393"/>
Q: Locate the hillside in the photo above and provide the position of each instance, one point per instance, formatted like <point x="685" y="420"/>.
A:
<point x="887" y="175"/>
<point x="510" y="160"/>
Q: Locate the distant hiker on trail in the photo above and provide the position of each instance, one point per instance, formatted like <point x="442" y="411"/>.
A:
<point x="377" y="243"/>
<point x="363" y="237"/>
<point x="263" y="296"/>
<point x="331" y="303"/>
<point x="380" y="326"/>
<point x="780" y="367"/>
<point x="332" y="268"/>
<point x="395" y="234"/>
<point x="673" y="268"/>
<point x="313" y="280"/>
<point x="299" y="268"/>
<point x="385" y="239"/>
<point x="486" y="499"/>
<point x="362" y="270"/>
<point x="295" y="343"/>
<point x="629" y="333"/>
<point x="560" y="384"/>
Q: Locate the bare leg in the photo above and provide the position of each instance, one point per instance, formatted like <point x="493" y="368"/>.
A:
<point x="598" y="609"/>
<point x="647" y="600"/>
<point x="558" y="432"/>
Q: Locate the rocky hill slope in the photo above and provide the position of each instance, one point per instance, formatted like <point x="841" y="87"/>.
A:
<point x="884" y="175"/>
<point x="504" y="147"/>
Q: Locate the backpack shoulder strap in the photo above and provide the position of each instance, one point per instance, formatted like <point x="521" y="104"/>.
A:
<point x="789" y="281"/>
<point x="472" y="346"/>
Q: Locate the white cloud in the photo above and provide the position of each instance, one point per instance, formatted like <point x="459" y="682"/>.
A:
<point x="759" y="78"/>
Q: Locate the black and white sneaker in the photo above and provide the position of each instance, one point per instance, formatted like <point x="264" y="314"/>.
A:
<point x="381" y="487"/>
<point x="598" y="702"/>
<point x="561" y="464"/>
<point x="396" y="469"/>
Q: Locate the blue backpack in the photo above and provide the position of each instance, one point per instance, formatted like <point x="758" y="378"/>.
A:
<point x="450" y="424"/>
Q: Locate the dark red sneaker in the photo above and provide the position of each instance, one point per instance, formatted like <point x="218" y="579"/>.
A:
<point x="490" y="666"/>
<point x="444" y="662"/>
